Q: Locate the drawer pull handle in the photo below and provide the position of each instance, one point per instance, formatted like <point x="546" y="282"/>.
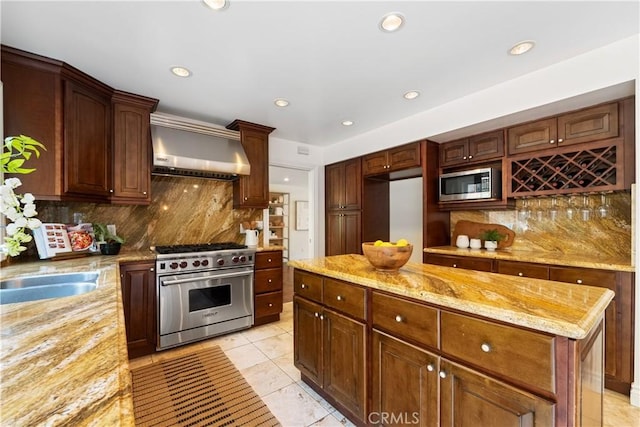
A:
<point x="430" y="367"/>
<point x="399" y="318"/>
<point x="269" y="280"/>
<point x="270" y="305"/>
<point x="269" y="260"/>
<point x="317" y="314"/>
<point x="520" y="274"/>
<point x="339" y="298"/>
<point x="485" y="347"/>
<point x="321" y="317"/>
<point x="303" y="286"/>
<point x="443" y="374"/>
<point x="579" y="281"/>
<point x="552" y="141"/>
<point x="455" y="265"/>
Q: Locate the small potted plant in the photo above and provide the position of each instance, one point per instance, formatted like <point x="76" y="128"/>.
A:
<point x="491" y="239"/>
<point x="108" y="241"/>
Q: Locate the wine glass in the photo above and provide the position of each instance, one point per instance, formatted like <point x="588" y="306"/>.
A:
<point x="604" y="210"/>
<point x="553" y="210"/>
<point x="524" y="212"/>
<point x="585" y="210"/>
<point x="570" y="210"/>
<point x="538" y="212"/>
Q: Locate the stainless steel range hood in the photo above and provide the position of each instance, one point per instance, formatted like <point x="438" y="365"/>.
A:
<point x="185" y="147"/>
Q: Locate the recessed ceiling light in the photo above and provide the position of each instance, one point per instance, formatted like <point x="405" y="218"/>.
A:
<point x="216" y="4"/>
<point x="412" y="94"/>
<point x="286" y="179"/>
<point x="522" y="47"/>
<point x="281" y="102"/>
<point x="347" y="122"/>
<point x="391" y="22"/>
<point x="180" y="71"/>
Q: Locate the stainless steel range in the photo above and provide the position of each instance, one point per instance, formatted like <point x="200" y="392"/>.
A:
<point x="203" y="290"/>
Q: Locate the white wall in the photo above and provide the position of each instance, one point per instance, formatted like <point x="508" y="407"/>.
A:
<point x="298" y="240"/>
<point x="405" y="214"/>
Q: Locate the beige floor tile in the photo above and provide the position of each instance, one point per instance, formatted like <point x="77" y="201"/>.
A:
<point x="226" y="342"/>
<point x="342" y="420"/>
<point x="276" y="346"/>
<point x="618" y="412"/>
<point x="287" y="307"/>
<point x="294" y="407"/>
<point x="285" y="363"/>
<point x="266" y="377"/>
<point x="261" y="332"/>
<point x="315" y="396"/>
<point x="332" y="420"/>
<point x="245" y="356"/>
<point x="176" y="352"/>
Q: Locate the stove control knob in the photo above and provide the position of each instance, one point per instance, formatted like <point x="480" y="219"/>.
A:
<point x="220" y="261"/>
<point x="235" y="259"/>
<point x="243" y="258"/>
<point x="173" y="265"/>
<point x="196" y="263"/>
<point x="204" y="262"/>
<point x="183" y="264"/>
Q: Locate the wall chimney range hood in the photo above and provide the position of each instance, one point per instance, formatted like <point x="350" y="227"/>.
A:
<point x="191" y="148"/>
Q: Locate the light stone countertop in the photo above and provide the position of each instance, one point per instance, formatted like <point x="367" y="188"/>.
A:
<point x="552" y="258"/>
<point x="557" y="308"/>
<point x="64" y="360"/>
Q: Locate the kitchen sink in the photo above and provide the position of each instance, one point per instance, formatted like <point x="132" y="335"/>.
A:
<point x="31" y="288"/>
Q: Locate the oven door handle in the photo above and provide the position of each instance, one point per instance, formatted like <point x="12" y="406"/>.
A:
<point x="201" y="278"/>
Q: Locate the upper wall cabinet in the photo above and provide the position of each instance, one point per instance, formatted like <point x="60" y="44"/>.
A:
<point x="252" y="191"/>
<point x="476" y="148"/>
<point x="73" y="116"/>
<point x="398" y="158"/>
<point x="590" y="124"/>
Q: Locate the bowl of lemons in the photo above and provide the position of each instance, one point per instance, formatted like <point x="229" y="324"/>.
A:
<point x="387" y="256"/>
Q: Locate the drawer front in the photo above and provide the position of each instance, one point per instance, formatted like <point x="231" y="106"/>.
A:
<point x="269" y="259"/>
<point x="525" y="356"/>
<point x="584" y="276"/>
<point x="523" y="269"/>
<point x="469" y="263"/>
<point x="269" y="280"/>
<point x="268" y="304"/>
<point x="405" y="319"/>
<point x="345" y="297"/>
<point x="307" y="285"/>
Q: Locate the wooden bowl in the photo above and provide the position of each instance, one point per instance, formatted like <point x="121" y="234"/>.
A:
<point x="386" y="258"/>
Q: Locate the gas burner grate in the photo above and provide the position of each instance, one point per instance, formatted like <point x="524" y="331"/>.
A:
<point x="200" y="247"/>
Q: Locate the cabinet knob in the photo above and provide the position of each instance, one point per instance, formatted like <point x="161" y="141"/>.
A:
<point x="464" y="157"/>
<point x="111" y="190"/>
<point x="579" y="281"/>
<point x="471" y="157"/>
<point x="398" y="318"/>
<point x="455" y="265"/>
<point x="520" y="274"/>
<point x="152" y="269"/>
<point x="246" y="198"/>
<point x="317" y="314"/>
<point x="552" y="141"/>
<point x="560" y="139"/>
<point x="270" y="305"/>
<point x="321" y="317"/>
<point x="303" y="286"/>
<point x="269" y="280"/>
<point x="144" y="192"/>
<point x="339" y="298"/>
<point x="269" y="260"/>
<point x="430" y="367"/>
<point x="443" y="374"/>
<point x="485" y="347"/>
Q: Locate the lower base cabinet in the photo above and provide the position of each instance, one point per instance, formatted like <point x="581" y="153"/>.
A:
<point x="267" y="287"/>
<point x="138" y="281"/>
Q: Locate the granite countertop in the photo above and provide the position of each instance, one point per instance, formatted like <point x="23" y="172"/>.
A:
<point x="64" y="360"/>
<point x="553" y="258"/>
<point x="557" y="308"/>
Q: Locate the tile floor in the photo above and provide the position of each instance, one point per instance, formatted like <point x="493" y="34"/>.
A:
<point x="264" y="356"/>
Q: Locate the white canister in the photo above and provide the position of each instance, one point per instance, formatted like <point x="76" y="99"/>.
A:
<point x="476" y="243"/>
<point x="462" y="241"/>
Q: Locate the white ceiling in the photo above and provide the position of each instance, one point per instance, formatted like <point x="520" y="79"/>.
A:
<point x="328" y="58"/>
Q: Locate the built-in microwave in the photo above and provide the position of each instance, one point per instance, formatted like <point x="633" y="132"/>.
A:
<point x="476" y="184"/>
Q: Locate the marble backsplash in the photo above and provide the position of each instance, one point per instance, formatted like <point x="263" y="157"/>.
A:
<point x="570" y="234"/>
<point x="182" y="210"/>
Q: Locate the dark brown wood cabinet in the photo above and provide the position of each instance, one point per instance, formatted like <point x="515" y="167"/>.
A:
<point x="476" y="148"/>
<point x="131" y="148"/>
<point x="267" y="287"/>
<point x="343" y="184"/>
<point x="252" y="191"/>
<point x="138" y="283"/>
<point x="403" y="157"/>
<point x="343" y="232"/>
<point x="470" y="263"/>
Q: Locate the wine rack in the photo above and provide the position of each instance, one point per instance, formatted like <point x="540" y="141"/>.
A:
<point x="571" y="171"/>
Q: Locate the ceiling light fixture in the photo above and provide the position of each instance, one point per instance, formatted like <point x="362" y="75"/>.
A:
<point x="347" y="122"/>
<point x="180" y="71"/>
<point x="286" y="179"/>
<point x="522" y="47"/>
<point x="412" y="94"/>
<point x="391" y="22"/>
<point x="281" y="102"/>
<point x="216" y="4"/>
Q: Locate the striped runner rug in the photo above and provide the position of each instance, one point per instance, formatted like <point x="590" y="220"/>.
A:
<point x="202" y="388"/>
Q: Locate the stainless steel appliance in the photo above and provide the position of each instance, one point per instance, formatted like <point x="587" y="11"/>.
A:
<point x="202" y="291"/>
<point x="476" y="184"/>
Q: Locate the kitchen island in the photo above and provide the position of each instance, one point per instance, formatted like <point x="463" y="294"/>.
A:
<point x="445" y="346"/>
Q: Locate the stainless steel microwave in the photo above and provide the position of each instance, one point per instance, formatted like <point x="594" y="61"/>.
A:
<point x="476" y="184"/>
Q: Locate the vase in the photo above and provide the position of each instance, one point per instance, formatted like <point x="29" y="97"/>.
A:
<point x="110" y="248"/>
<point x="491" y="245"/>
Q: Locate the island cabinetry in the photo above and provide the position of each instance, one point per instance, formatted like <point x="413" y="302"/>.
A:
<point x="403" y="157"/>
<point x="267" y="287"/>
<point x="469" y="263"/>
<point x="473" y="149"/>
<point x="330" y="347"/>
<point x="252" y="191"/>
<point x="138" y="281"/>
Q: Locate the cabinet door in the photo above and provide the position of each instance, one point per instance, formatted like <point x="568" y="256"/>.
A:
<point x="87" y="121"/>
<point x="334" y="186"/>
<point x="138" y="283"/>
<point x="375" y="163"/>
<point x="534" y="136"/>
<point x="131" y="155"/>
<point x="404" y="157"/>
<point x="588" y="125"/>
<point x="307" y="343"/>
<point x="468" y="398"/>
<point x="352" y="184"/>
<point x="405" y="383"/>
<point x="486" y="146"/>
<point x="268" y="280"/>
<point x="344" y="361"/>
<point x="352" y="232"/>
<point x="454" y="152"/>
<point x="470" y="263"/>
